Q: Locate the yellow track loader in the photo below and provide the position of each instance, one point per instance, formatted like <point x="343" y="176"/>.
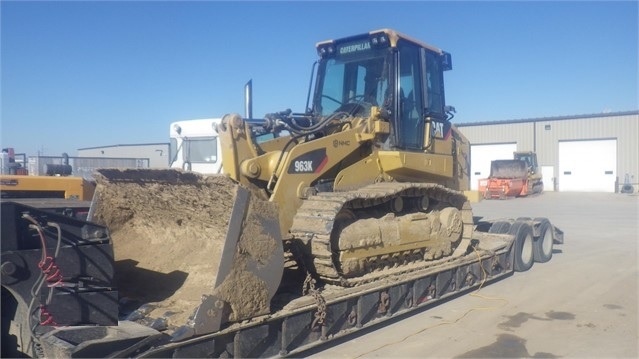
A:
<point x="371" y="176"/>
<point x="361" y="196"/>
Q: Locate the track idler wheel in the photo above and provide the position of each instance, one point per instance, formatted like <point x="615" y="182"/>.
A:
<point x="451" y="224"/>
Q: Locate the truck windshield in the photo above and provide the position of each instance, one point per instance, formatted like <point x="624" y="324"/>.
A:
<point x="200" y="150"/>
<point x="360" y="79"/>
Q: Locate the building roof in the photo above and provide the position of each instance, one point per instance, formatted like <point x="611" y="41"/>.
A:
<point x="547" y="119"/>
<point x="125" y="145"/>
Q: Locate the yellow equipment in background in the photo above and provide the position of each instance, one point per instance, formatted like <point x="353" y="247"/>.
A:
<point x="15" y="186"/>
<point x="15" y="182"/>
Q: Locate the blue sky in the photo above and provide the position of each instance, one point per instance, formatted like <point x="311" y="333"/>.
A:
<point x="86" y="74"/>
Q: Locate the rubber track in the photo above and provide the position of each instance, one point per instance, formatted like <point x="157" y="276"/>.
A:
<point x="316" y="216"/>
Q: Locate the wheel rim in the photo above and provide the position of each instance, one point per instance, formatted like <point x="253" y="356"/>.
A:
<point x="527" y="249"/>
<point x="546" y="245"/>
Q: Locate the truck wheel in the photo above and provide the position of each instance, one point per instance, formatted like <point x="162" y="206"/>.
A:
<point x="499" y="227"/>
<point x="524" y="257"/>
<point x="543" y="245"/>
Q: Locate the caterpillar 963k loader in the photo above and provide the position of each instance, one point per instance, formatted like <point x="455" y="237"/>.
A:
<point x="362" y="194"/>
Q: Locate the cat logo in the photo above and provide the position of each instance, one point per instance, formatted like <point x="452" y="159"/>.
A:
<point x="438" y="129"/>
<point x="357" y="47"/>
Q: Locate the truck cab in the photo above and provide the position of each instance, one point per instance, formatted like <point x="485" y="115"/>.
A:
<point x="194" y="146"/>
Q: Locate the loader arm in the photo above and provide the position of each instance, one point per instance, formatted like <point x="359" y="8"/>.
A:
<point x="288" y="174"/>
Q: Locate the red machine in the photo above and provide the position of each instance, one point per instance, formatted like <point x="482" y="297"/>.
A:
<point x="508" y="178"/>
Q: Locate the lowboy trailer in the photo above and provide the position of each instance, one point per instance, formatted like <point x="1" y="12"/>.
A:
<point x="86" y="294"/>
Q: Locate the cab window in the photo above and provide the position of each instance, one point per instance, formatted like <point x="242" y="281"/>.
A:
<point x="201" y="150"/>
<point x="433" y="79"/>
<point x="411" y="124"/>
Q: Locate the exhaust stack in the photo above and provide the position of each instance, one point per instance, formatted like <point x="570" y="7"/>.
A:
<point x="248" y="100"/>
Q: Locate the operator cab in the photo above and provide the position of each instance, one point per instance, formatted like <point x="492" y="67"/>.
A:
<point x="530" y="158"/>
<point x="401" y="76"/>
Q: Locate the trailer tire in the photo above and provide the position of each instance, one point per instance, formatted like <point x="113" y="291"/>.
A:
<point x="499" y="227"/>
<point x="524" y="244"/>
<point x="543" y="245"/>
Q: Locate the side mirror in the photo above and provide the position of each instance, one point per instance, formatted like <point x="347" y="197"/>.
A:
<point x="447" y="61"/>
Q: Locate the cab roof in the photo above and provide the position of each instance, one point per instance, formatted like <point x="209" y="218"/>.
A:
<point x="393" y="36"/>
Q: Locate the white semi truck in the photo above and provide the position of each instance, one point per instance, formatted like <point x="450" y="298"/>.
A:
<point x="194" y="146"/>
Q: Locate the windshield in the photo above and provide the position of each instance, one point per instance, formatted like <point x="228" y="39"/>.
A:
<point x="200" y="150"/>
<point x="361" y="79"/>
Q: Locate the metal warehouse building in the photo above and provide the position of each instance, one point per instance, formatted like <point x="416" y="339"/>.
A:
<point x="157" y="154"/>
<point x="589" y="153"/>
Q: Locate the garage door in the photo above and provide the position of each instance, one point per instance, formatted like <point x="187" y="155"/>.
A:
<point x="587" y="166"/>
<point x="482" y="155"/>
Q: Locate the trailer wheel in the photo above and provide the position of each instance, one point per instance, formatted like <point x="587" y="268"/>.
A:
<point x="543" y="245"/>
<point x="499" y="227"/>
<point x="524" y="257"/>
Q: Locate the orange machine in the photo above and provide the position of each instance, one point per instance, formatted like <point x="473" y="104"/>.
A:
<point x="508" y="178"/>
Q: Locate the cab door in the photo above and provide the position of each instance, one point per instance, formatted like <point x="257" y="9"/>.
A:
<point x="411" y="106"/>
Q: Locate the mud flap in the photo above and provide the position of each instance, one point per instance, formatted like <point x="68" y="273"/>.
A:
<point x="558" y="235"/>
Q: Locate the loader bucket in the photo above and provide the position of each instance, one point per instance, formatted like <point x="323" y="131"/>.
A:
<point x="201" y="249"/>
<point x="508" y="169"/>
